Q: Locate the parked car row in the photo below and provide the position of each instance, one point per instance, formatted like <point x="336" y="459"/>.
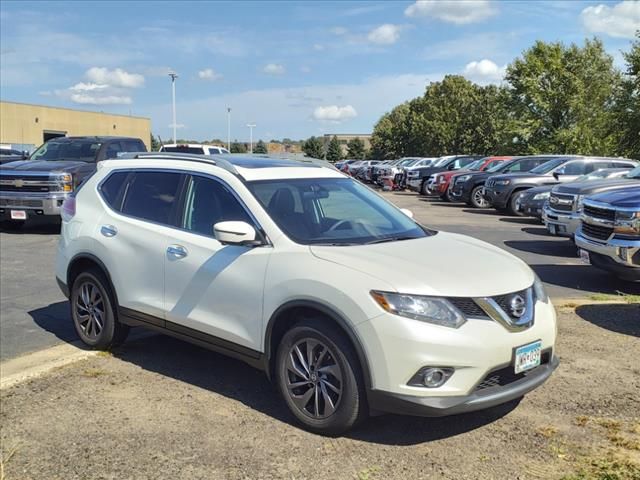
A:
<point x="553" y="188"/>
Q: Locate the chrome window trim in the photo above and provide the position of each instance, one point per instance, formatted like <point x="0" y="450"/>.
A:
<point x="98" y="187"/>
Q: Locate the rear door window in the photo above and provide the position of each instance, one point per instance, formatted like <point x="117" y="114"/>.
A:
<point x="112" y="150"/>
<point x="153" y="196"/>
<point x="184" y="149"/>
<point x="133" y="146"/>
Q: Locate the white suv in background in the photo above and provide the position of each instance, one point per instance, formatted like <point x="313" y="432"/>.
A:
<point x="348" y="304"/>
<point x="193" y="148"/>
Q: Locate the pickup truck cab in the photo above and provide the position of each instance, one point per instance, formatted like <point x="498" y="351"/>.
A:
<point x="193" y="148"/>
<point x="609" y="233"/>
<point x="505" y="192"/>
<point x="38" y="186"/>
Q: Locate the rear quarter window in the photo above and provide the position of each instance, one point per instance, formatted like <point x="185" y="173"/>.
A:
<point x="112" y="189"/>
<point x="152" y="196"/>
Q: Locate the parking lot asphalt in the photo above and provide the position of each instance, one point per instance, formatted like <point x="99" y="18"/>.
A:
<point x="34" y="313"/>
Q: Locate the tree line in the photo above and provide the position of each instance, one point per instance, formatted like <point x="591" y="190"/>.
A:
<point x="554" y="99"/>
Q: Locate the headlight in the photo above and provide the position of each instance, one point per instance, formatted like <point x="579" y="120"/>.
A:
<point x="463" y="178"/>
<point x="65" y="182"/>
<point x="426" y="309"/>
<point x="541" y="196"/>
<point x="502" y="182"/>
<point x="627" y="223"/>
<point x="579" y="202"/>
<point x="441" y="180"/>
<point x="540" y="292"/>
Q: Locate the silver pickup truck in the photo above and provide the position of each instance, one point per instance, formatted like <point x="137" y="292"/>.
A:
<point x="37" y="186"/>
<point x="609" y="233"/>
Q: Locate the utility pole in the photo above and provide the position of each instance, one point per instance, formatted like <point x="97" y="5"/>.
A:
<point x="173" y="76"/>
<point x="251" y="127"/>
<point x="229" y="128"/>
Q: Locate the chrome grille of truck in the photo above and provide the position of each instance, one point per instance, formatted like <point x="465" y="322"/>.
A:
<point x="596" y="232"/>
<point x="26" y="183"/>
<point x="561" y="202"/>
<point x="597" y="212"/>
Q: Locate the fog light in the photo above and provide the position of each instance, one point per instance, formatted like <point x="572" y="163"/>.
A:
<point x="431" y="377"/>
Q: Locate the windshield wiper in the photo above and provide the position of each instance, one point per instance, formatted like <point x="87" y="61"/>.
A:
<point x="390" y="239"/>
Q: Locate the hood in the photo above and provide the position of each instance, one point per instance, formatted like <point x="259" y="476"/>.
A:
<point x="542" y="189"/>
<point x="593" y="186"/>
<point x="624" y="197"/>
<point x="444" y="264"/>
<point x="522" y="177"/>
<point x="427" y="171"/>
<point x="69" y="166"/>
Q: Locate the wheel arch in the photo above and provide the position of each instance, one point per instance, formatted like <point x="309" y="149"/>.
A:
<point x="82" y="262"/>
<point x="285" y="316"/>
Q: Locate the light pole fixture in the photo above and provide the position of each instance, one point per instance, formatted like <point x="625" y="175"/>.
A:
<point x="251" y="127"/>
<point x="229" y="128"/>
<point x="173" y="76"/>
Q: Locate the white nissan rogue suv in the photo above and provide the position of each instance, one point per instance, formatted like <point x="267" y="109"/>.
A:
<point x="348" y="304"/>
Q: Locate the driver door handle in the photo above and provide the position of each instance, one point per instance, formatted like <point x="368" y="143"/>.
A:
<point x="108" y="230"/>
<point x="177" y="251"/>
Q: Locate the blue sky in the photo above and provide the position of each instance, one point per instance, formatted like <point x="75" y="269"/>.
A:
<point x="295" y="69"/>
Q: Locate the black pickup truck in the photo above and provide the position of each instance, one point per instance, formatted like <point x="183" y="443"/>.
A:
<point x="38" y="185"/>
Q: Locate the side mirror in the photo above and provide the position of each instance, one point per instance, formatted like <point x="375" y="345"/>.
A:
<point x="235" y="233"/>
<point x="407" y="212"/>
<point x="556" y="175"/>
<point x="25" y="155"/>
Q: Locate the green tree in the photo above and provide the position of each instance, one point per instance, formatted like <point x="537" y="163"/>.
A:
<point x="628" y="104"/>
<point x="391" y="137"/>
<point x="237" y="147"/>
<point x="562" y="98"/>
<point x="334" y="151"/>
<point x="260" y="147"/>
<point x="313" y="147"/>
<point x="155" y="144"/>
<point x="355" y="149"/>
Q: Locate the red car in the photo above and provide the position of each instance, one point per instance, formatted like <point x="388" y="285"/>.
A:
<point x="444" y="179"/>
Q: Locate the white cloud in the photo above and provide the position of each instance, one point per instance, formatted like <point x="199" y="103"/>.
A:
<point x="459" y="12"/>
<point x="334" y="113"/>
<point x="305" y="69"/>
<point x="88" y="99"/>
<point x="622" y="20"/>
<point x="484" y="71"/>
<point x="386" y="34"/>
<point x="274" y="69"/>
<point x="339" y="31"/>
<point x="318" y="48"/>
<point x="209" y="74"/>
<point x="115" y="78"/>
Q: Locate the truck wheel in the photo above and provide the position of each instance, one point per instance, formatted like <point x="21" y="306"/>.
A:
<point x="424" y="189"/>
<point x="319" y="377"/>
<point x="93" y="310"/>
<point x="477" y="200"/>
<point x="514" y="202"/>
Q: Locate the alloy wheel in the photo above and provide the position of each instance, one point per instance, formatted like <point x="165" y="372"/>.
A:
<point x="479" y="199"/>
<point x="90" y="310"/>
<point x="313" y="378"/>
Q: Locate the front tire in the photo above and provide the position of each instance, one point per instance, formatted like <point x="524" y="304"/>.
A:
<point x="477" y="199"/>
<point x="93" y="311"/>
<point x="319" y="377"/>
<point x="514" y="204"/>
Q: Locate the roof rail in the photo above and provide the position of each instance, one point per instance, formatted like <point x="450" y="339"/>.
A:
<point x="190" y="157"/>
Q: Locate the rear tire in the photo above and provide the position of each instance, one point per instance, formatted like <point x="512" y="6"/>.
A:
<point x="514" y="202"/>
<point x="319" y="378"/>
<point x="93" y="311"/>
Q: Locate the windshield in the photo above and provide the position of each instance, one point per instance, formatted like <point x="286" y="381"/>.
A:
<point x="332" y="211"/>
<point x="546" y="167"/>
<point x="440" y="161"/>
<point x="474" y="165"/>
<point x="635" y="173"/>
<point x="184" y="149"/>
<point x="81" y="150"/>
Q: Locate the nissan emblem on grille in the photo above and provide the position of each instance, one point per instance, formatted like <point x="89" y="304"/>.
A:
<point x="517" y="306"/>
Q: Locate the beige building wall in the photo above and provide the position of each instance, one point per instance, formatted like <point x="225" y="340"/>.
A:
<point x="344" y="139"/>
<point x="26" y="124"/>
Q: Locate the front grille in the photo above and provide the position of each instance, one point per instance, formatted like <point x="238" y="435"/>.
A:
<point x="506" y="375"/>
<point x="561" y="203"/>
<point x="25" y="183"/>
<point x="468" y="307"/>
<point x="25" y="188"/>
<point x="11" y="202"/>
<point x="596" y="231"/>
<point x="490" y="183"/>
<point x="597" y="212"/>
<point x="503" y="302"/>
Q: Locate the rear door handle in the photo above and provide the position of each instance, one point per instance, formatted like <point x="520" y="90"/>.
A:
<point x="177" y="251"/>
<point x="108" y="230"/>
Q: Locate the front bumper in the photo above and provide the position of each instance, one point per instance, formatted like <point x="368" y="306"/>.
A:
<point x="479" y="400"/>
<point x="35" y="204"/>
<point x="566" y="223"/>
<point x="498" y="198"/>
<point x="621" y="257"/>
<point x="460" y="192"/>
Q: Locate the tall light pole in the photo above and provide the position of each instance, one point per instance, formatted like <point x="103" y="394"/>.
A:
<point x="229" y="128"/>
<point x="251" y="127"/>
<point x="173" y="76"/>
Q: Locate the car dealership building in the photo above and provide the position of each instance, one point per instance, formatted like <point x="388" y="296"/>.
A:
<point x="26" y="126"/>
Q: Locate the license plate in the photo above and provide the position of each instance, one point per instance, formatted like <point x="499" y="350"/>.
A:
<point x="18" y="215"/>
<point x="552" y="228"/>
<point x="584" y="256"/>
<point x="528" y="356"/>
